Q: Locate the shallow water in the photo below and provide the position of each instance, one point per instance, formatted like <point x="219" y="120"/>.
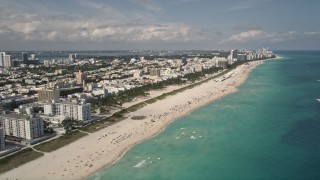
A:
<point x="270" y="129"/>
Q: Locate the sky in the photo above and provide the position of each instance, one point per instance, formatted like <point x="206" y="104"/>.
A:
<point x="159" y="24"/>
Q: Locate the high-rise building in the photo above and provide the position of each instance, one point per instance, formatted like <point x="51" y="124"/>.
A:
<point x="72" y="57"/>
<point x="80" y="112"/>
<point x="221" y="62"/>
<point x="81" y="76"/>
<point x="2" y="142"/>
<point x="242" y="57"/>
<point x="234" y="54"/>
<point x="7" y="61"/>
<point x="25" y="58"/>
<point x="48" y="95"/>
<point x="2" y="54"/>
<point x="22" y="126"/>
<point x="33" y="56"/>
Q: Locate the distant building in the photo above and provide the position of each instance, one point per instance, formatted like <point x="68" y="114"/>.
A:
<point x="47" y="63"/>
<point x="22" y="126"/>
<point x="76" y="111"/>
<point x="234" y="54"/>
<point x="2" y="54"/>
<point x="100" y="92"/>
<point x="72" y="57"/>
<point x="81" y="76"/>
<point x="25" y="58"/>
<point x="7" y="61"/>
<point x="138" y="74"/>
<point x="242" y="57"/>
<point x="33" y="56"/>
<point x="221" y="62"/>
<point x="47" y="95"/>
<point x="2" y="142"/>
<point x="60" y="71"/>
<point x="155" y="72"/>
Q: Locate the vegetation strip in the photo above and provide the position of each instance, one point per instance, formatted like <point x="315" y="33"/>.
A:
<point x="17" y="159"/>
<point x="138" y="117"/>
<point x="60" y="141"/>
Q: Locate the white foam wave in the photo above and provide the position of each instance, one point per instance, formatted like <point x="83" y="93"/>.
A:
<point x="140" y="164"/>
<point x="192" y="137"/>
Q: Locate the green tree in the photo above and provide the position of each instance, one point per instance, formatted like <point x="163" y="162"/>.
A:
<point x="69" y="124"/>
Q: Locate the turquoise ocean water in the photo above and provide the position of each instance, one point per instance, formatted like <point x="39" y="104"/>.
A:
<point x="270" y="129"/>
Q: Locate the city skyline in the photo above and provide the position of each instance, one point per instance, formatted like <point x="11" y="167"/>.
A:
<point x="151" y="24"/>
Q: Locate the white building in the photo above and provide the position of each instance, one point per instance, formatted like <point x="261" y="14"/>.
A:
<point x="22" y="126"/>
<point x="234" y="54"/>
<point x="2" y="54"/>
<point x="76" y="111"/>
<point x="138" y="73"/>
<point x="7" y="61"/>
<point x="47" y="63"/>
<point x="100" y="92"/>
<point x="2" y="142"/>
<point x="221" y="62"/>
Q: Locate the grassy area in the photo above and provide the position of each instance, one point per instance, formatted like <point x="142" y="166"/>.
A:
<point x="138" y="117"/>
<point x="60" y="142"/>
<point x="137" y="106"/>
<point x="150" y="101"/>
<point x="18" y="159"/>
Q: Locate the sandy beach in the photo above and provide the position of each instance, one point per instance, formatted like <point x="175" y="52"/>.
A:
<point x="90" y="154"/>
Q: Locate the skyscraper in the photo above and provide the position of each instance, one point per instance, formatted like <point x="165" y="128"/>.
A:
<point x="2" y="54"/>
<point x="25" y="58"/>
<point x="234" y="54"/>
<point x="7" y="61"/>
<point x="72" y="57"/>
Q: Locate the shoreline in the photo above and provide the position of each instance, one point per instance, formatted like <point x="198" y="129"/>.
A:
<point x="71" y="161"/>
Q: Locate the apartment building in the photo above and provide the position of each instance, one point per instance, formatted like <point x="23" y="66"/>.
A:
<point x="22" y="126"/>
<point x="47" y="95"/>
<point x="76" y="111"/>
<point x="2" y="143"/>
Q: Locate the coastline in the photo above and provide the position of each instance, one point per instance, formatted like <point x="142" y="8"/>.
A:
<point x="88" y="155"/>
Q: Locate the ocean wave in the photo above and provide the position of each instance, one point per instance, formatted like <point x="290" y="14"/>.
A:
<point x="141" y="164"/>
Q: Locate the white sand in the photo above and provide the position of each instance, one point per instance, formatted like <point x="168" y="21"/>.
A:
<point x="88" y="155"/>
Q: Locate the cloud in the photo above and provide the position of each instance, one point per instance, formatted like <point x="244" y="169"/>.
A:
<point x="241" y="7"/>
<point x="244" y="36"/>
<point x="149" y="5"/>
<point x="313" y="33"/>
<point x="29" y="27"/>
<point x="262" y="36"/>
